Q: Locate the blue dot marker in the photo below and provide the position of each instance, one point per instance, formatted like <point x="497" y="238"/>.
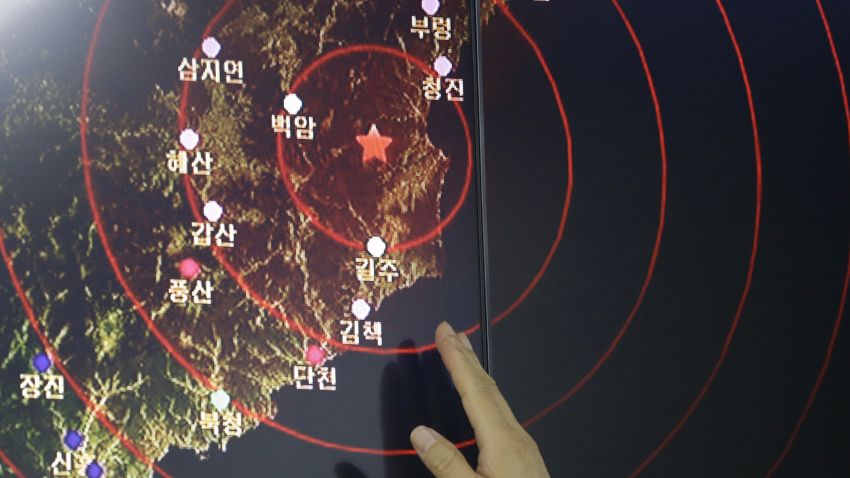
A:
<point x="42" y="362"/>
<point x="73" y="439"/>
<point x="94" y="470"/>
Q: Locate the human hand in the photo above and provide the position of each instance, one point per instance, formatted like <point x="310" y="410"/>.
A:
<point x="506" y="450"/>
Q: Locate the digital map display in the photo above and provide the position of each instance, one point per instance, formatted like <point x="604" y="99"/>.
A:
<point x="215" y="212"/>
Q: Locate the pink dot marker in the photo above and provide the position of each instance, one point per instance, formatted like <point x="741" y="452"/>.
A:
<point x="189" y="268"/>
<point x="315" y="355"/>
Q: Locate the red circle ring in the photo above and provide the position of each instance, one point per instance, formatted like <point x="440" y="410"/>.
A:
<point x="751" y="263"/>
<point x="181" y="359"/>
<point x="237" y="276"/>
<point x="296" y="325"/>
<point x="139" y="307"/>
<point x="311" y="214"/>
<point x="510" y="308"/>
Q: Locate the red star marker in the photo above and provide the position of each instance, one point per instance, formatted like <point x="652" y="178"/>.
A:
<point x="374" y="145"/>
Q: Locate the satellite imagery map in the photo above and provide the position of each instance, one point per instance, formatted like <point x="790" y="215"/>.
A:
<point x="230" y="228"/>
<point x="204" y="203"/>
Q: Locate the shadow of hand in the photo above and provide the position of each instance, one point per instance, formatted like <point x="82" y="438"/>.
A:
<point x="418" y="391"/>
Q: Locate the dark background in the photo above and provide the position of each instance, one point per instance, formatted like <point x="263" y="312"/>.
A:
<point x="665" y="357"/>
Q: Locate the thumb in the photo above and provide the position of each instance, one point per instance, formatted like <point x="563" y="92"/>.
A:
<point x="440" y="455"/>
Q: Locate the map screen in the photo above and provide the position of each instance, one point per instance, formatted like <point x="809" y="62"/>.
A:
<point x="229" y="230"/>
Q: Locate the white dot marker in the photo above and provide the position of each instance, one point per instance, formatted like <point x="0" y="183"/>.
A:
<point x="430" y="6"/>
<point x="376" y="246"/>
<point x="211" y="47"/>
<point x="220" y="400"/>
<point x="213" y="211"/>
<point x="361" y="309"/>
<point x="443" y="65"/>
<point x="292" y="103"/>
<point x="189" y="139"/>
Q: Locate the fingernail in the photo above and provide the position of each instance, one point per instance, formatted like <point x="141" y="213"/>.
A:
<point x="445" y="333"/>
<point x="422" y="439"/>
<point x="465" y="341"/>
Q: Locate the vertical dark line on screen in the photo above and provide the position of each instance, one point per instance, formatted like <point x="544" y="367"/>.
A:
<point x="478" y="130"/>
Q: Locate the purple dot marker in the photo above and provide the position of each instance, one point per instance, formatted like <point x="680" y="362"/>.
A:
<point x="94" y="470"/>
<point x="211" y="47"/>
<point x="42" y="362"/>
<point x="73" y="439"/>
<point x="189" y="139"/>
<point x="430" y="6"/>
<point x="443" y="66"/>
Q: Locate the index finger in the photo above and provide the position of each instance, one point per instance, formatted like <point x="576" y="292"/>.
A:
<point x="484" y="404"/>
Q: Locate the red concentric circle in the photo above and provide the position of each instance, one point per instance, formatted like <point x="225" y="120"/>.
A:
<point x="659" y="233"/>
<point x="843" y="301"/>
<point x="140" y="309"/>
<point x="522" y="297"/>
<point x="428" y="236"/>
<point x="279" y="314"/>
<point x="176" y="354"/>
<point x="307" y="211"/>
<point x="751" y="263"/>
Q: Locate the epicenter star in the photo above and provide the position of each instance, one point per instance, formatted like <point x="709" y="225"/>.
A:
<point x="374" y="145"/>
